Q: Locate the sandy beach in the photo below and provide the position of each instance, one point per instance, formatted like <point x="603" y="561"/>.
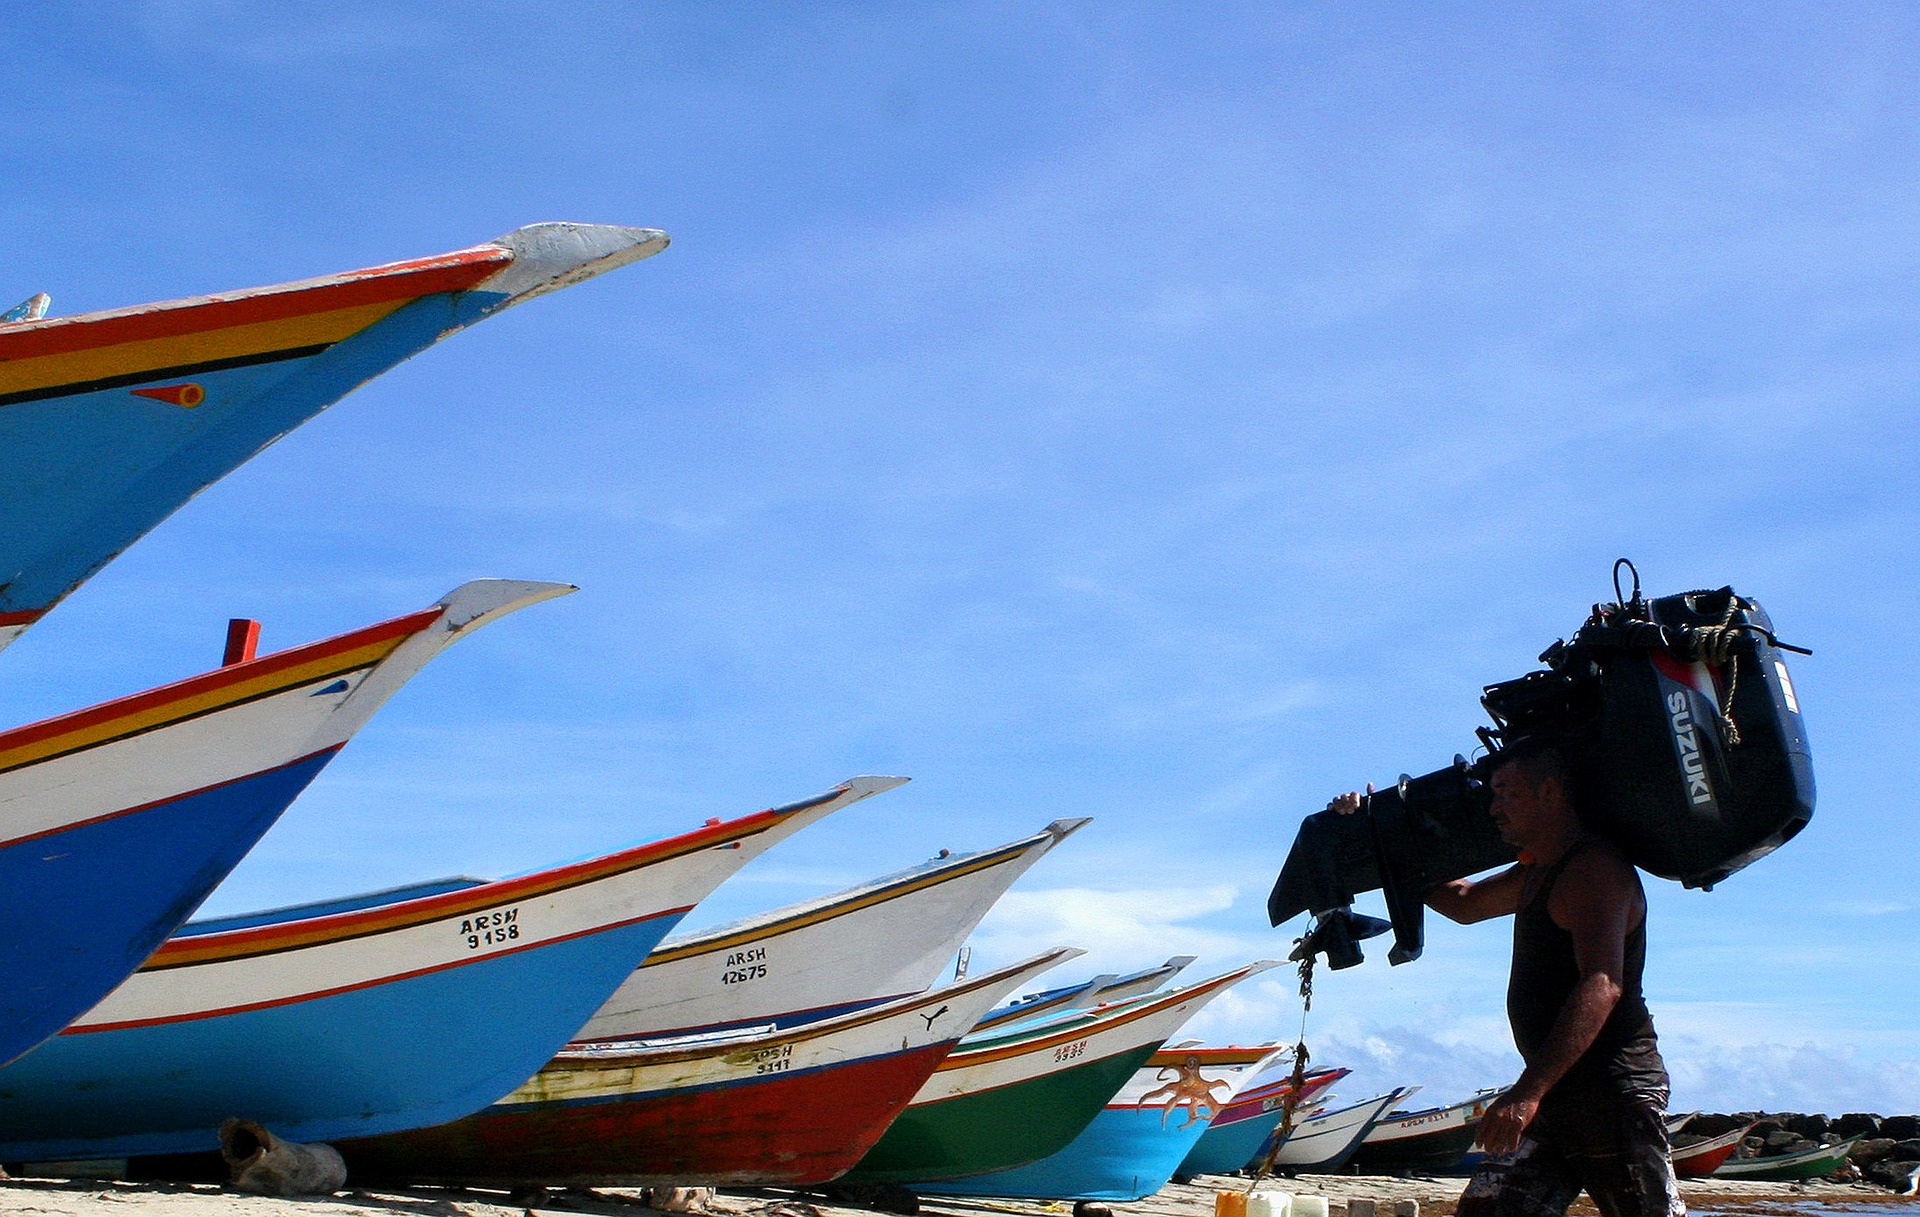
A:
<point x="89" y="1198"/>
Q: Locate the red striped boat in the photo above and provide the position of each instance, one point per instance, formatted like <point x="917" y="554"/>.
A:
<point x="110" y="421"/>
<point x="785" y="1108"/>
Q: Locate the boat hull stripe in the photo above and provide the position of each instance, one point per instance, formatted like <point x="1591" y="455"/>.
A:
<point x="104" y="817"/>
<point x="393" y="284"/>
<point x="295" y="999"/>
<point x="177" y="371"/>
<point x="273" y="939"/>
<point x="207" y="693"/>
<point x="828" y="912"/>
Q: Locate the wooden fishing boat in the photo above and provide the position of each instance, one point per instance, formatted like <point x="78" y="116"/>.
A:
<point x="1815" y="1163"/>
<point x="1006" y="1100"/>
<point x="788" y="1107"/>
<point x="1110" y="987"/>
<point x="1133" y="1146"/>
<point x="1244" y="1122"/>
<point x="868" y="944"/>
<point x="1434" y="1139"/>
<point x="1704" y="1157"/>
<point x="1325" y="1142"/>
<point x="110" y="421"/>
<point x="393" y="1012"/>
<point x="117" y="821"/>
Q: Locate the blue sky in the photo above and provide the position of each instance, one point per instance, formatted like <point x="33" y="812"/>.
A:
<point x="1162" y="415"/>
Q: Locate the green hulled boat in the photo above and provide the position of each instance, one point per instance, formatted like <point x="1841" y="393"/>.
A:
<point x="1815" y="1163"/>
<point x="1026" y="1093"/>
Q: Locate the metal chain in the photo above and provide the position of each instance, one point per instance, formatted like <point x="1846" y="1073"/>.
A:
<point x="1296" y="1085"/>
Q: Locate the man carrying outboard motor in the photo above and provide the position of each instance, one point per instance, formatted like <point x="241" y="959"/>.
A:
<point x="1666" y="736"/>
<point x="1589" y="1110"/>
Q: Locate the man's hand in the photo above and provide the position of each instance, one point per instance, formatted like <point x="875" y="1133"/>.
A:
<point x="1348" y="803"/>
<point x="1505" y="1122"/>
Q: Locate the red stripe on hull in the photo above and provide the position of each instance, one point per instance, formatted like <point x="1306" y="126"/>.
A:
<point x="219" y="678"/>
<point x="450" y="272"/>
<point x="781" y="1130"/>
<point x="387" y="979"/>
<point x="103" y="817"/>
<point x="277" y="936"/>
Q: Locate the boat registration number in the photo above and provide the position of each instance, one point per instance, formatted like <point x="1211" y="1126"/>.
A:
<point x="773" y="1060"/>
<point x="743" y="966"/>
<point x="1067" y="1052"/>
<point x="491" y="929"/>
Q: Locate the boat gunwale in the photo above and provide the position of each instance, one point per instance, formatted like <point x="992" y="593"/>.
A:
<point x="927" y="874"/>
<point x="613" y="1055"/>
<point x="277" y="937"/>
<point x="1085" y="1024"/>
<point x="208" y="683"/>
<point x="455" y="270"/>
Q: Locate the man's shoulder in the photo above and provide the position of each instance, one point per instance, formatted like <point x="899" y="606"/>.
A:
<point x="1596" y="867"/>
<point x="1598" y="852"/>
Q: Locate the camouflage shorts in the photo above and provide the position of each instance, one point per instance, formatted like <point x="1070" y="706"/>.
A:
<point x="1612" y="1147"/>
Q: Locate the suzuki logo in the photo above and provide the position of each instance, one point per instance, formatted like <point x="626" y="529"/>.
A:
<point x="1687" y="741"/>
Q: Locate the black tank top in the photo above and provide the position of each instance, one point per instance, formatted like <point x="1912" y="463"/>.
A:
<point x="1625" y="1056"/>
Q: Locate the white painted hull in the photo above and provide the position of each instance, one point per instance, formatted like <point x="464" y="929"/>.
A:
<point x="1326" y="1141"/>
<point x="883" y="939"/>
<point x="1047" y="1047"/>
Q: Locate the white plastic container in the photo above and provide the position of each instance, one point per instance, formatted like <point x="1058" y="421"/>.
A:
<point x="1309" y="1206"/>
<point x="1263" y="1203"/>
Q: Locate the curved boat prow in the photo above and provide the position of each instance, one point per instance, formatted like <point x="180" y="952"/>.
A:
<point x="460" y="612"/>
<point x="792" y="817"/>
<point x="550" y="256"/>
<point x="475" y="603"/>
<point x="865" y="786"/>
<point x="118" y="819"/>
<point x="111" y="420"/>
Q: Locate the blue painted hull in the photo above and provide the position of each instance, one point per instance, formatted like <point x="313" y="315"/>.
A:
<point x="84" y="907"/>
<point x="101" y="468"/>
<point x="408" y="1053"/>
<point x="1127" y="1153"/>
<point x="1224" y="1149"/>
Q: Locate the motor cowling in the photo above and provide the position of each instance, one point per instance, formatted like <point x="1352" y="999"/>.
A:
<point x="1684" y="738"/>
<point x="1699" y="762"/>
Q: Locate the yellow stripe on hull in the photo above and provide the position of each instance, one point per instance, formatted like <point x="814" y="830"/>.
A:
<point x="186" y="350"/>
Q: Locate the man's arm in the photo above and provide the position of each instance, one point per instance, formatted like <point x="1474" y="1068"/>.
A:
<point x="1597" y="900"/>
<point x="1463" y="900"/>
<point x="1469" y="900"/>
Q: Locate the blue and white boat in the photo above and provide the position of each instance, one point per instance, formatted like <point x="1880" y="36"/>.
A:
<point x="1108" y="987"/>
<point x="1240" y="1129"/>
<point x="1325" y="1141"/>
<point x="109" y="421"/>
<point x="378" y="1014"/>
<point x="117" y="821"/>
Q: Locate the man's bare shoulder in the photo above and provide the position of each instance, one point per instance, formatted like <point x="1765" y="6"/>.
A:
<point x="1598" y="873"/>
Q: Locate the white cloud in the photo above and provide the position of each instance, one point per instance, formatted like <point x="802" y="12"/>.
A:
<point x="1117" y="929"/>
<point x="1786" y="1077"/>
<point x="1446" y="1064"/>
<point x="1866" y="908"/>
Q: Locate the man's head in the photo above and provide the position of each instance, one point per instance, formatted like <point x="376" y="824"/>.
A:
<point x="1533" y="799"/>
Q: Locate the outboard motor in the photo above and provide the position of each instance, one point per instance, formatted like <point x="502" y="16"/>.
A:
<point x="1683" y="736"/>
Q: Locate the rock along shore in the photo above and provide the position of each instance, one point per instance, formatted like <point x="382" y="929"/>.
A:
<point x="1886" y="1149"/>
